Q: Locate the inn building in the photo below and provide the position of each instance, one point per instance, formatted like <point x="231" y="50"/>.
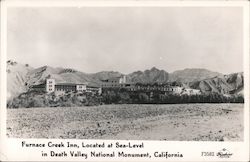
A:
<point x="59" y="88"/>
<point x="122" y="82"/>
<point x="114" y="82"/>
<point x="165" y="88"/>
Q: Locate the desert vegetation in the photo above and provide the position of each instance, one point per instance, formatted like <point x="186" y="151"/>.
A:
<point x="42" y="99"/>
<point x="182" y="122"/>
<point x="114" y="96"/>
<point x="119" y="95"/>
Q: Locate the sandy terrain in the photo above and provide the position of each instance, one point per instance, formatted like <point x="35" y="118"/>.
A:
<point x="182" y="122"/>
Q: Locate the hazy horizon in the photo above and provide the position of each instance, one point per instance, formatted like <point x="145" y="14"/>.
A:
<point x="127" y="39"/>
<point x="114" y="70"/>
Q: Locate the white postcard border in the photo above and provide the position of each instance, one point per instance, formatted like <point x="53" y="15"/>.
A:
<point x="11" y="149"/>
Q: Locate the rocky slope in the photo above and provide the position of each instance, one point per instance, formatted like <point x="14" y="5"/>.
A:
<point x="20" y="77"/>
<point x="183" y="76"/>
<point x="149" y="76"/>
<point x="190" y="75"/>
<point x="17" y="75"/>
<point x="105" y="75"/>
<point x="61" y="75"/>
<point x="226" y="84"/>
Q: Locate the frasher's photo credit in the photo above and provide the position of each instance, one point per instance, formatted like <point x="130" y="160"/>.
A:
<point x="126" y="75"/>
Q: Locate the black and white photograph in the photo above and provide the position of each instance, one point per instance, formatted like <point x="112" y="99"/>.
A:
<point x="147" y="73"/>
<point x="125" y="73"/>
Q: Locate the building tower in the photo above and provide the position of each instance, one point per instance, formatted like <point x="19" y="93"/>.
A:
<point x="122" y="79"/>
<point x="50" y="85"/>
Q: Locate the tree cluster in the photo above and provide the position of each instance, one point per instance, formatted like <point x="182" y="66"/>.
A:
<point x="117" y="96"/>
<point x="42" y="99"/>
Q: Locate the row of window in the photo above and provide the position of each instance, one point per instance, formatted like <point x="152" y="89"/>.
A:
<point x="111" y="85"/>
<point x="167" y="90"/>
<point x="66" y="86"/>
<point x="70" y="89"/>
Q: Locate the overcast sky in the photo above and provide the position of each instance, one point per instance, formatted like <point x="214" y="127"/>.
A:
<point x="93" y="39"/>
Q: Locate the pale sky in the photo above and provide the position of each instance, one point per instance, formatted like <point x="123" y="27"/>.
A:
<point x="127" y="39"/>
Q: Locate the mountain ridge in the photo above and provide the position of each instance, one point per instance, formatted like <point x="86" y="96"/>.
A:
<point x="21" y="76"/>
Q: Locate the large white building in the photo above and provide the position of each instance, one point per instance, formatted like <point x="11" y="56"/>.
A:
<point x="114" y="82"/>
<point x="59" y="88"/>
<point x="167" y="88"/>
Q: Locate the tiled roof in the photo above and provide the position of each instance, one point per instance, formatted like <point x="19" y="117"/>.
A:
<point x="38" y="86"/>
<point x="93" y="86"/>
<point x="70" y="84"/>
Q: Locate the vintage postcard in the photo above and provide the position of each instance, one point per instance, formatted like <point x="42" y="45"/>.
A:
<point x="124" y="81"/>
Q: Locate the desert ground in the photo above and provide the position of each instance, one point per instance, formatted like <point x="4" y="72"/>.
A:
<point x="177" y="122"/>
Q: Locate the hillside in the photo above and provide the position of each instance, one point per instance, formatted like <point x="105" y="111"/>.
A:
<point x="227" y="84"/>
<point x="149" y="76"/>
<point x="191" y="75"/>
<point x="17" y="76"/>
<point x="61" y="75"/>
<point x="105" y="75"/>
<point x="20" y="77"/>
<point x="183" y="76"/>
<point x="236" y="81"/>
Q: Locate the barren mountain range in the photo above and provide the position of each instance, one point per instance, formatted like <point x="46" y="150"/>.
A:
<point x="20" y="77"/>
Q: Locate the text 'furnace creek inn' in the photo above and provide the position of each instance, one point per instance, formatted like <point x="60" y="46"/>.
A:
<point x="50" y="86"/>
